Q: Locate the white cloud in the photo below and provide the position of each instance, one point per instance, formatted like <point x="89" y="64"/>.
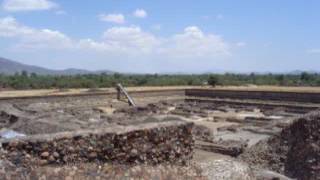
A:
<point x="128" y="40"/>
<point x="31" y="38"/>
<point x="46" y="38"/>
<point x="28" y="5"/>
<point x="241" y="44"/>
<point x="140" y="13"/>
<point x="195" y="43"/>
<point x="133" y="40"/>
<point x="9" y="27"/>
<point x="314" y="51"/>
<point x="122" y="41"/>
<point x="115" y="18"/>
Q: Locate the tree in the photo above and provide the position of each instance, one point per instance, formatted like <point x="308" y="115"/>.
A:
<point x="212" y="80"/>
<point x="117" y="75"/>
<point x="24" y="73"/>
<point x="281" y="79"/>
<point x="305" y="76"/>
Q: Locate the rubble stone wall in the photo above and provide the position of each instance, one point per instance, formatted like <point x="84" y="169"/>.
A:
<point x="150" y="143"/>
<point x="259" y="95"/>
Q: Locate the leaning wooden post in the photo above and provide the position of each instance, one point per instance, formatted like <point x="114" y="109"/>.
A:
<point x="121" y="89"/>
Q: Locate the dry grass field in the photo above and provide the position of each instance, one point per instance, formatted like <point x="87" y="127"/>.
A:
<point x="50" y="92"/>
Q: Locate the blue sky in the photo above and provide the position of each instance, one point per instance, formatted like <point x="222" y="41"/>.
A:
<point x="163" y="36"/>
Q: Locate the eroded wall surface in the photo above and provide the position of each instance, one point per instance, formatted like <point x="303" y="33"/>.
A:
<point x="150" y="143"/>
<point x="259" y="95"/>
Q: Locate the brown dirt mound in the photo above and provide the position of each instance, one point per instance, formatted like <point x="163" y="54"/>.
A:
<point x="295" y="152"/>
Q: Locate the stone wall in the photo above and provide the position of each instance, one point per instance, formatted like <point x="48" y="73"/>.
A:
<point x="259" y="95"/>
<point x="150" y="143"/>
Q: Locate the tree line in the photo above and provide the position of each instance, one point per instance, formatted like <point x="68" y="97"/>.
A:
<point x="26" y="80"/>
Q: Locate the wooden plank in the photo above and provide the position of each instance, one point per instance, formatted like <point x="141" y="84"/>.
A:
<point x="120" y="88"/>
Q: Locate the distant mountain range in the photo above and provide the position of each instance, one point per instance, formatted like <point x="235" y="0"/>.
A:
<point x="11" y="67"/>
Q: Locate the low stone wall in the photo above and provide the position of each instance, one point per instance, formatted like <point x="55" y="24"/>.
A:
<point x="150" y="143"/>
<point x="259" y="95"/>
<point x="290" y="107"/>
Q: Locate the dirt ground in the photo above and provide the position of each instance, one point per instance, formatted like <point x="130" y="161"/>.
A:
<point x="224" y="122"/>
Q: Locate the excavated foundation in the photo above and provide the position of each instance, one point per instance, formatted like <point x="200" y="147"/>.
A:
<point x="174" y="127"/>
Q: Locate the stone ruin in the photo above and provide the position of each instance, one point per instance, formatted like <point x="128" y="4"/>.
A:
<point x="149" y="143"/>
<point x="294" y="152"/>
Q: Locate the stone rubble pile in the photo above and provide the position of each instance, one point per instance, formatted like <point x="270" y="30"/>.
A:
<point x="91" y="171"/>
<point x="294" y="152"/>
<point x="150" y="143"/>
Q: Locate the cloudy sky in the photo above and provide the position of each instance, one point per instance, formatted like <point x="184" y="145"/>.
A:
<point x="162" y="36"/>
